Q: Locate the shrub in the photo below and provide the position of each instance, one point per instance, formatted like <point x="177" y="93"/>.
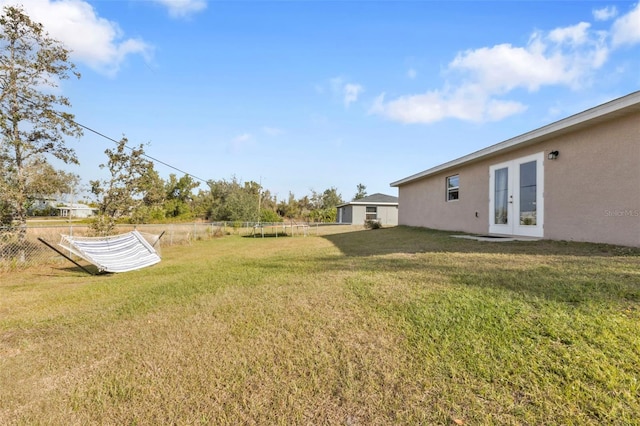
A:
<point x="269" y="216"/>
<point x="372" y="224"/>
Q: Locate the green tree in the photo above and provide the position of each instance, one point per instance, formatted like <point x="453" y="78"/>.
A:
<point x="179" y="196"/>
<point x="68" y="187"/>
<point x="244" y="204"/>
<point x="218" y="194"/>
<point x="6" y="215"/>
<point x="45" y="182"/>
<point x="152" y="207"/>
<point x="203" y="204"/>
<point x="32" y="122"/>
<point x="234" y="200"/>
<point x="305" y="206"/>
<point x="289" y="209"/>
<point x="362" y="192"/>
<point x="268" y="206"/>
<point x="331" y="198"/>
<point x="324" y="205"/>
<point x="269" y="216"/>
<point x="154" y="189"/>
<point x="122" y="194"/>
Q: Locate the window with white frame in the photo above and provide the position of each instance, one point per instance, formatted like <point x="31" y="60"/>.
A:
<point x="453" y="187"/>
<point x="371" y="213"/>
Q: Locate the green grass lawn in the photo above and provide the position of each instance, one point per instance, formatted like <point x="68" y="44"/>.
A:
<point x="390" y="326"/>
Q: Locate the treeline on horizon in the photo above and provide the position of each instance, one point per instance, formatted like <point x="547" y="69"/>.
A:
<point x="35" y="123"/>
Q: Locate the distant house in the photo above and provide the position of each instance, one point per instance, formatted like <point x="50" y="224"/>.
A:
<point x="76" y="210"/>
<point x="43" y="205"/>
<point x="380" y="207"/>
<point x="575" y="179"/>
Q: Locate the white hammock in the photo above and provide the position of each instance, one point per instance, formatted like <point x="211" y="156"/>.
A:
<point x="117" y="253"/>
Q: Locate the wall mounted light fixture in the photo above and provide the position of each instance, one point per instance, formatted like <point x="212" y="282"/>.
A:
<point x="553" y="155"/>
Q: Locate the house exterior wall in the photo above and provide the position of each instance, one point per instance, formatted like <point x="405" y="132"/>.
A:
<point x="388" y="215"/>
<point x="43" y="204"/>
<point x="591" y="191"/>
<point x="345" y="215"/>
<point x="83" y="213"/>
<point x="356" y="214"/>
<point x="423" y="203"/>
<point x="77" y="213"/>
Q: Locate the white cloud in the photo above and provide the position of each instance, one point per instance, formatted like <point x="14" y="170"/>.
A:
<point x="563" y="58"/>
<point x="412" y="73"/>
<point x="272" y="131"/>
<point x="435" y="106"/>
<point x="479" y="79"/>
<point x="496" y="110"/>
<point x="626" y="29"/>
<point x="605" y="13"/>
<point x="347" y="92"/>
<point x="183" y="8"/>
<point x="241" y="142"/>
<point x="351" y="93"/>
<point x="101" y="45"/>
<point x="574" y="35"/>
<point x="336" y="83"/>
<point x="245" y="137"/>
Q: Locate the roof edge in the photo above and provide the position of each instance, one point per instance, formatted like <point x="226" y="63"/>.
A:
<point x="532" y="136"/>
<point x="370" y="203"/>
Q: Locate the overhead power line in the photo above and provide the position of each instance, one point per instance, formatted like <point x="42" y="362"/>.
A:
<point x="145" y="155"/>
<point x="126" y="146"/>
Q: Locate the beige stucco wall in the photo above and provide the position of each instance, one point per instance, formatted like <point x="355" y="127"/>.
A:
<point x="591" y="192"/>
<point x="423" y="203"/>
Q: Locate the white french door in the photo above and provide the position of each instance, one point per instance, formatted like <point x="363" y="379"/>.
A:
<point x="516" y="204"/>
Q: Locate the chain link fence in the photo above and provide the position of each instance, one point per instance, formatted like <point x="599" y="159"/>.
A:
<point x="23" y="248"/>
<point x="20" y="250"/>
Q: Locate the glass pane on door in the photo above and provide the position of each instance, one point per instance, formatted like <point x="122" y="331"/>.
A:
<point x="528" y="188"/>
<point x="501" y="197"/>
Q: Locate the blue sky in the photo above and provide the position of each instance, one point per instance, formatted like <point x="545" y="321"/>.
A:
<point x="308" y="95"/>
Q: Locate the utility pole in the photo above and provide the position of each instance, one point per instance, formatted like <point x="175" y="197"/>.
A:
<point x="259" y="195"/>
